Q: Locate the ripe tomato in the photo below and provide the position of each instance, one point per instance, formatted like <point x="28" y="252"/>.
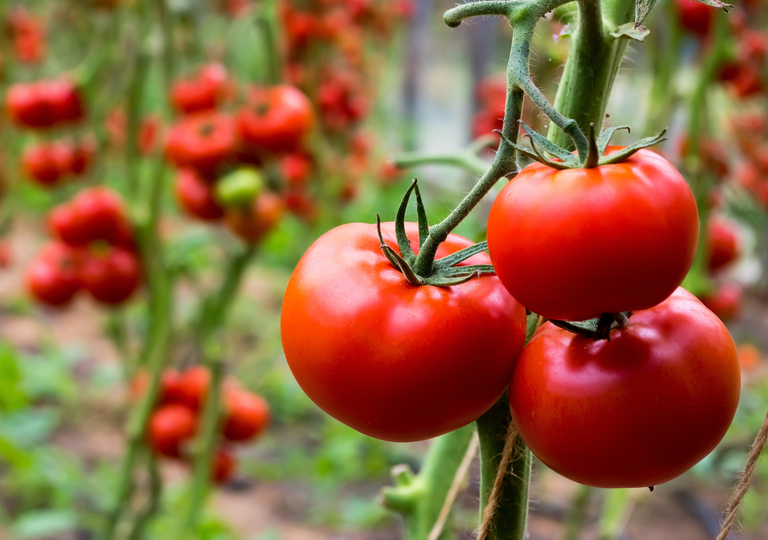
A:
<point x="94" y="214"/>
<point x="393" y="361"/>
<point x="82" y="156"/>
<point x="246" y="415"/>
<point x="47" y="164"/>
<point x="169" y="386"/>
<point x="725" y="302"/>
<point x="296" y="169"/>
<point x="253" y="223"/>
<point x="201" y="93"/>
<point x="52" y="278"/>
<point x="574" y="244"/>
<point x="223" y="466"/>
<point x="276" y="119"/>
<point x="111" y="277"/>
<point x="169" y="428"/>
<point x="695" y="16"/>
<point x="634" y="411"/>
<point x="193" y="387"/>
<point x="204" y="141"/>
<point x="196" y="196"/>
<point x="723" y="243"/>
<point x="63" y="98"/>
<point x="26" y="106"/>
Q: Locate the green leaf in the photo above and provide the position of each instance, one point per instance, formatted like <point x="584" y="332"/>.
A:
<point x="631" y="31"/>
<point x="45" y="523"/>
<point x="11" y="395"/>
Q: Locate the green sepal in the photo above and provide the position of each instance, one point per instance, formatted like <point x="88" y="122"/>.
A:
<point x="593" y="155"/>
<point x="395" y="258"/>
<point x="443" y="281"/>
<point x="548" y="146"/>
<point x="605" y="137"/>
<point x="460" y="256"/>
<point x="532" y="153"/>
<point x="596" y="329"/>
<point x="621" y="155"/>
<point x="402" y="238"/>
<point x="469" y="269"/>
<point x="717" y="4"/>
<point x="421" y="215"/>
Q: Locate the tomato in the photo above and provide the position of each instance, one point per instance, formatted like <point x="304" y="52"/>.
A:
<point x="52" y="278"/>
<point x="170" y="427"/>
<point x="695" y="16"/>
<point x="576" y="243"/>
<point x="169" y="386"/>
<point x="94" y="214"/>
<point x="202" y="93"/>
<point x="394" y="361"/>
<point x="299" y="202"/>
<point x="246" y="415"/>
<point x="205" y="141"/>
<point x="196" y="196"/>
<point x="254" y="222"/>
<point x="223" y="466"/>
<point x="725" y="302"/>
<point x="26" y="106"/>
<point x="296" y="169"/>
<point x="193" y="387"/>
<point x="634" y="411"/>
<point x="111" y="277"/>
<point x="722" y="243"/>
<point x="47" y="164"/>
<point x="276" y="119"/>
<point x="82" y="156"/>
<point x="63" y="98"/>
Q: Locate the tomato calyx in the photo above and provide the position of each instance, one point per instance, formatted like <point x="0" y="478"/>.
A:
<point x="595" y="156"/>
<point x="596" y="329"/>
<point x="445" y="271"/>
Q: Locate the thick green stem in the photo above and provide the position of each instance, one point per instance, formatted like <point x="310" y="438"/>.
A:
<point x="419" y="499"/>
<point x="511" y="516"/>
<point x="592" y="66"/>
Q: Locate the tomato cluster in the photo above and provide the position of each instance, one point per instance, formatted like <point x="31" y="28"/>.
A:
<point x="93" y="249"/>
<point x="211" y="146"/>
<point x="178" y="409"/>
<point x="27" y="34"/>
<point x="49" y="164"/>
<point x="332" y="48"/>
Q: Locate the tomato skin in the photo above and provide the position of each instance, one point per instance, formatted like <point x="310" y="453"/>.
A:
<point x="193" y="387"/>
<point x="723" y="244"/>
<point x="26" y="106"/>
<point x="573" y="244"/>
<point x="52" y="277"/>
<point x="204" y="141"/>
<point x="196" y="196"/>
<point x="169" y="428"/>
<point x="393" y="361"/>
<point x="634" y="411"/>
<point x="695" y="16"/>
<point x="276" y="119"/>
<point x="246" y="417"/>
<point x="47" y="164"/>
<point x="725" y="302"/>
<point x="112" y="277"/>
<point x="253" y="223"/>
<point x="223" y="466"/>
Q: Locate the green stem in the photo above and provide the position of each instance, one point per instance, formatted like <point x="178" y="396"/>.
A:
<point x="511" y="517"/>
<point x="153" y="504"/>
<point x="592" y="66"/>
<point x="419" y="499"/>
<point x="264" y="22"/>
<point x="157" y="357"/>
<point x="617" y="508"/>
<point x="135" y="97"/>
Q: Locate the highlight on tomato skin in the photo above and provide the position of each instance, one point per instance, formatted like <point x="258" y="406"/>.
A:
<point x="394" y="361"/>
<point x="570" y="401"/>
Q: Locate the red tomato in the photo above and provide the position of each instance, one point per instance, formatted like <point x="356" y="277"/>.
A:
<point x="193" y="387"/>
<point x="170" y="427"/>
<point x="63" y="98"/>
<point x="26" y="106"/>
<point x="276" y="119"/>
<point x="574" y="244"/>
<point x="246" y="415"/>
<point x="52" y="278"/>
<point x="111" y="277"/>
<point x="169" y="386"/>
<point x="393" y="361"/>
<point x="725" y="302"/>
<point x="722" y="243"/>
<point x="196" y="196"/>
<point x="253" y="223"/>
<point x="82" y="156"/>
<point x="224" y="464"/>
<point x="94" y="214"/>
<point x="634" y="411"/>
<point x="6" y="254"/>
<point x="296" y="169"/>
<point x="695" y="16"/>
<point x="191" y="96"/>
<point x="205" y="141"/>
<point x="47" y="164"/>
